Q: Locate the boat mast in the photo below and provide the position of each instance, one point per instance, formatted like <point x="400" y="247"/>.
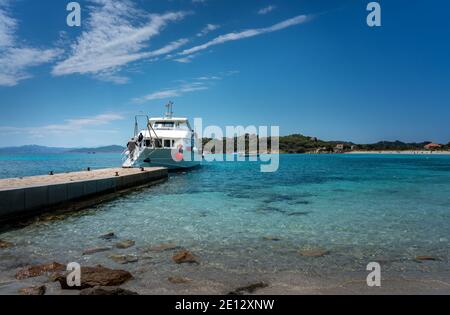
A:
<point x="169" y="112"/>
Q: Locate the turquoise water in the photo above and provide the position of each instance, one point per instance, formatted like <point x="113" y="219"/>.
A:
<point x="360" y="208"/>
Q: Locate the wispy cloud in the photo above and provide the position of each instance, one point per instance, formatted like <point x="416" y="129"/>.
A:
<point x="114" y="38"/>
<point x="15" y="57"/>
<point x="208" y="29"/>
<point x="266" y="10"/>
<point x="173" y="92"/>
<point x="186" y="59"/>
<point x="300" y="19"/>
<point x="70" y="126"/>
<point x="198" y="84"/>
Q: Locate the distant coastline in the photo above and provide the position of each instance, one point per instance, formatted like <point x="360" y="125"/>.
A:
<point x="37" y="149"/>
<point x="291" y="144"/>
<point x="405" y="152"/>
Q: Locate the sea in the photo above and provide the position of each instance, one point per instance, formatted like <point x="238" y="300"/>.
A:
<point x="313" y="226"/>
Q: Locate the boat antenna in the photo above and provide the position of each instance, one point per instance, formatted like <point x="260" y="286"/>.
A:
<point x="169" y="112"/>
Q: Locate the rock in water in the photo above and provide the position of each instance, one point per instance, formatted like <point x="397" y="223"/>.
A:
<point x="184" y="257"/>
<point x="5" y="244"/>
<point x="106" y="291"/>
<point x="272" y="238"/>
<point x="97" y="276"/>
<point x="163" y="247"/>
<point x="125" y="244"/>
<point x="426" y="258"/>
<point x="124" y="259"/>
<point x="91" y="251"/>
<point x="35" y="290"/>
<point x="108" y="236"/>
<point x="178" y="280"/>
<point x="35" y="271"/>
<point x="314" y="252"/>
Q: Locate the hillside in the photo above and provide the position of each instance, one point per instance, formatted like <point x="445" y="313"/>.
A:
<point x="106" y="149"/>
<point x="36" y="149"/>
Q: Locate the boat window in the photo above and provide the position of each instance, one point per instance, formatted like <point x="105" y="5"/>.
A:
<point x="167" y="143"/>
<point x="148" y="143"/>
<point x="158" y="143"/>
<point x="173" y="143"/>
<point x="162" y="124"/>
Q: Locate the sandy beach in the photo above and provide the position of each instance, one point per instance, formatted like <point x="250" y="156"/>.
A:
<point x="408" y="152"/>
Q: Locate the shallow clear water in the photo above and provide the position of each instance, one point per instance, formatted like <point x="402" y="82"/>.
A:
<point x="361" y="208"/>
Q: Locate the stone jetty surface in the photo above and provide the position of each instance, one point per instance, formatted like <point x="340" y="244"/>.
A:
<point x="27" y="196"/>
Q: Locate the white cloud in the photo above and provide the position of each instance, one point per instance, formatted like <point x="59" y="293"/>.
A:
<point x="71" y="126"/>
<point x="186" y="59"/>
<point x="16" y="58"/>
<point x="266" y="10"/>
<point x="198" y="84"/>
<point x="300" y="19"/>
<point x="7" y="27"/>
<point x="208" y="29"/>
<point x="115" y="36"/>
<point x="173" y="92"/>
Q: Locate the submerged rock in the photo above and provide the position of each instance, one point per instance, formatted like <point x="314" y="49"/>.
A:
<point x="124" y="259"/>
<point x="125" y="244"/>
<point x="108" y="236"/>
<point x="426" y="258"/>
<point x="5" y="244"/>
<point x="97" y="276"/>
<point x="163" y="247"/>
<point x="299" y="213"/>
<point x="91" y="251"/>
<point x="317" y="252"/>
<point x="272" y="238"/>
<point x="178" y="280"/>
<point x="50" y="218"/>
<point x="34" y="290"/>
<point x="184" y="257"/>
<point x="249" y="288"/>
<point x="106" y="291"/>
<point x="38" y="270"/>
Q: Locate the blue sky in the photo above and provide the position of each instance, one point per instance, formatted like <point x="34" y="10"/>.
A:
<point x="310" y="67"/>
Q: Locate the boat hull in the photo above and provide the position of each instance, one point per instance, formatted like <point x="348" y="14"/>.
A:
<point x="163" y="158"/>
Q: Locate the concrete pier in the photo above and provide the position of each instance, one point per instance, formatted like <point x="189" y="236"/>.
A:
<point x="28" y="196"/>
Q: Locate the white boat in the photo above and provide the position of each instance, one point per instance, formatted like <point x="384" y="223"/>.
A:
<point x="167" y="141"/>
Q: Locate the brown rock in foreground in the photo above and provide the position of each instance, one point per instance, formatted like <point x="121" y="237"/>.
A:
<point x="163" y="247"/>
<point x="97" y="276"/>
<point x="5" y="244"/>
<point x="314" y="252"/>
<point x="91" y="251"/>
<point x="125" y="244"/>
<point x="106" y="291"/>
<point x="35" y="290"/>
<point x="184" y="257"/>
<point x="178" y="280"/>
<point x="38" y="270"/>
<point x="124" y="259"/>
